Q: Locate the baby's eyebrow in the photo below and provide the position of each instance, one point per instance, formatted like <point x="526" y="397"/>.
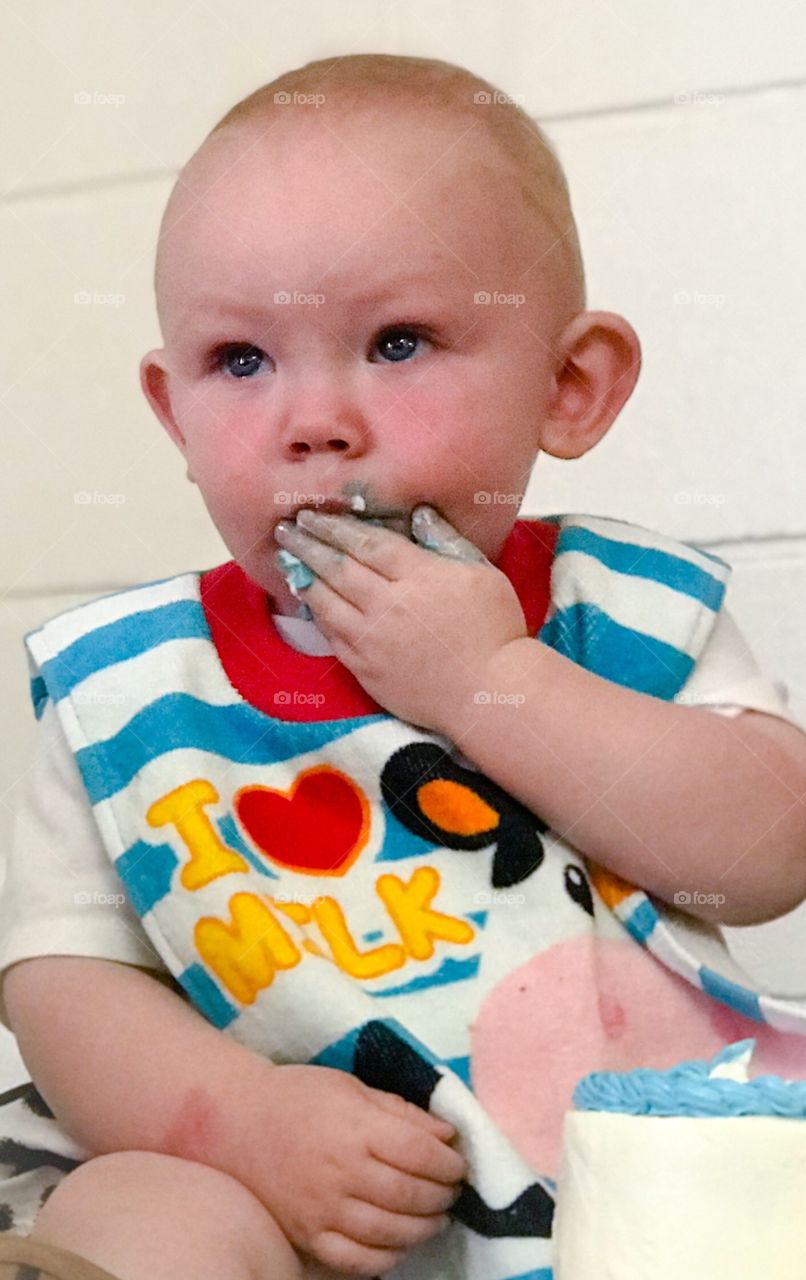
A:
<point x="429" y="309"/>
<point x="235" y="310"/>
<point x="391" y="289"/>
<point x="394" y="290"/>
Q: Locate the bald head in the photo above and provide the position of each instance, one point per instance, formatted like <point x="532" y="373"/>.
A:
<point x="460" y="127"/>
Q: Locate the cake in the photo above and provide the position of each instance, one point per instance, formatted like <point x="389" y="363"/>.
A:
<point x="695" y="1173"/>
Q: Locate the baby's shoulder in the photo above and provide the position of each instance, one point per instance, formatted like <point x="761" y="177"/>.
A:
<point x="67" y="647"/>
<point x="631" y="603"/>
<point x="635" y="551"/>
<point x="80" y="619"/>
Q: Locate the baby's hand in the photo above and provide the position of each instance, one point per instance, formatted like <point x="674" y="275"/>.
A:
<point x="353" y="1175"/>
<point x="417" y="630"/>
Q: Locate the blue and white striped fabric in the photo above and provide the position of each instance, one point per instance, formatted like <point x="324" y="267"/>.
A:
<point x="375" y="955"/>
<point x="632" y="605"/>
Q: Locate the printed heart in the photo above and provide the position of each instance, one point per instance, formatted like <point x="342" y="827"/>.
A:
<point x="319" y="826"/>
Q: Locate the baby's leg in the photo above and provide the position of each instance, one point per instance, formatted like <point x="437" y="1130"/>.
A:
<point x="145" y="1216"/>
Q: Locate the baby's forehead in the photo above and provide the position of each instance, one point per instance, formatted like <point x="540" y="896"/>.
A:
<point x="358" y="177"/>
<point x="311" y="190"/>
<point x="416" y="148"/>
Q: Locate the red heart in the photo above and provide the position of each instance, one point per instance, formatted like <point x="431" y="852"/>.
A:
<point x="319" y="826"/>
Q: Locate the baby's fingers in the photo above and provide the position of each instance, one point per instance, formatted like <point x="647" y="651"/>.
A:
<point x="350" y="1258"/>
<point x="424" y="1154"/>
<point x="389" y="1188"/>
<point x="398" y="1106"/>
<point x="379" y="1228"/>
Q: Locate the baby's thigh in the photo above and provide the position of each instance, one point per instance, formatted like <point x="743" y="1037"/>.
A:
<point x="140" y="1215"/>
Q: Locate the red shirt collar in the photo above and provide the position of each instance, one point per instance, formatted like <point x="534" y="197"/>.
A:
<point x="268" y="673"/>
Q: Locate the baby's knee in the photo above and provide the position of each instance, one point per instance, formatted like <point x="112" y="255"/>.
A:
<point x="144" y="1191"/>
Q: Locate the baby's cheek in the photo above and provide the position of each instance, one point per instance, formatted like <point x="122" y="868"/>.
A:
<point x="596" y="1005"/>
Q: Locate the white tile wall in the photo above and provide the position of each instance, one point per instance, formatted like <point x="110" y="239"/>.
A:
<point x="682" y="129"/>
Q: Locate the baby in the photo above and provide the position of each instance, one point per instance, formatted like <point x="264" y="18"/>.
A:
<point x="389" y="840"/>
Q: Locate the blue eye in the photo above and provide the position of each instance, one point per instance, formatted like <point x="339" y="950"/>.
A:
<point x="398" y="344"/>
<point x="240" y="359"/>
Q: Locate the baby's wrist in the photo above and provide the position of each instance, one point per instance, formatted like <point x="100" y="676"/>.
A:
<point x="269" y="1121"/>
<point x="486" y="684"/>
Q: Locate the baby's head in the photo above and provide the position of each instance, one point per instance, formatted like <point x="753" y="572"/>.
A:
<point x="369" y="282"/>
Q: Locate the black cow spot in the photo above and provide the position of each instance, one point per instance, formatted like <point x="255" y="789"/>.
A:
<point x="463" y="823"/>
<point x="383" y="1060"/>
<point x="31" y="1098"/>
<point x="577" y="887"/>
<point x="20" y="1158"/>
<point x="530" y="1214"/>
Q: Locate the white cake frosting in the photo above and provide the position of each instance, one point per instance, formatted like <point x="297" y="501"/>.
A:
<point x="706" y="1180"/>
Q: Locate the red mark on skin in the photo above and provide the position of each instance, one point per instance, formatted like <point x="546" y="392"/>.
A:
<point x="613" y="1016"/>
<point x="195" y="1128"/>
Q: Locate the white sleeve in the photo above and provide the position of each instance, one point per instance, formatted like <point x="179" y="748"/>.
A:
<point x="61" y="894"/>
<point x="728" y="680"/>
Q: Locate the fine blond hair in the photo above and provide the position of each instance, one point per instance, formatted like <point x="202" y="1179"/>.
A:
<point x="358" y="81"/>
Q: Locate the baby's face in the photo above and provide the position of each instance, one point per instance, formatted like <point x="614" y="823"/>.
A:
<point x="324" y="334"/>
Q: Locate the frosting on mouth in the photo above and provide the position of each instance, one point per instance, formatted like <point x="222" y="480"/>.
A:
<point x="395" y="518"/>
<point x="356" y="506"/>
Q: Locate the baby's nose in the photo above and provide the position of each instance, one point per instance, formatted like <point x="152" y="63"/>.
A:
<point x="326" y="437"/>
<point x="305" y="444"/>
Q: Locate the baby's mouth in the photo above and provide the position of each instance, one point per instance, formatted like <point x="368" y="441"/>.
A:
<point x="395" y="518"/>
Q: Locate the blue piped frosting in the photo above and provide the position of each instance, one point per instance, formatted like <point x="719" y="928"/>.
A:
<point x="698" y="1088"/>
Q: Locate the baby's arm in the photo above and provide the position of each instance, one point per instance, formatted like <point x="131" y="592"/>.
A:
<point x="668" y="797"/>
<point x="126" y="1064"/>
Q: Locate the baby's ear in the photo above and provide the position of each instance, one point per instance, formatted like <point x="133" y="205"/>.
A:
<point x="597" y="367"/>
<point x="155" y="379"/>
